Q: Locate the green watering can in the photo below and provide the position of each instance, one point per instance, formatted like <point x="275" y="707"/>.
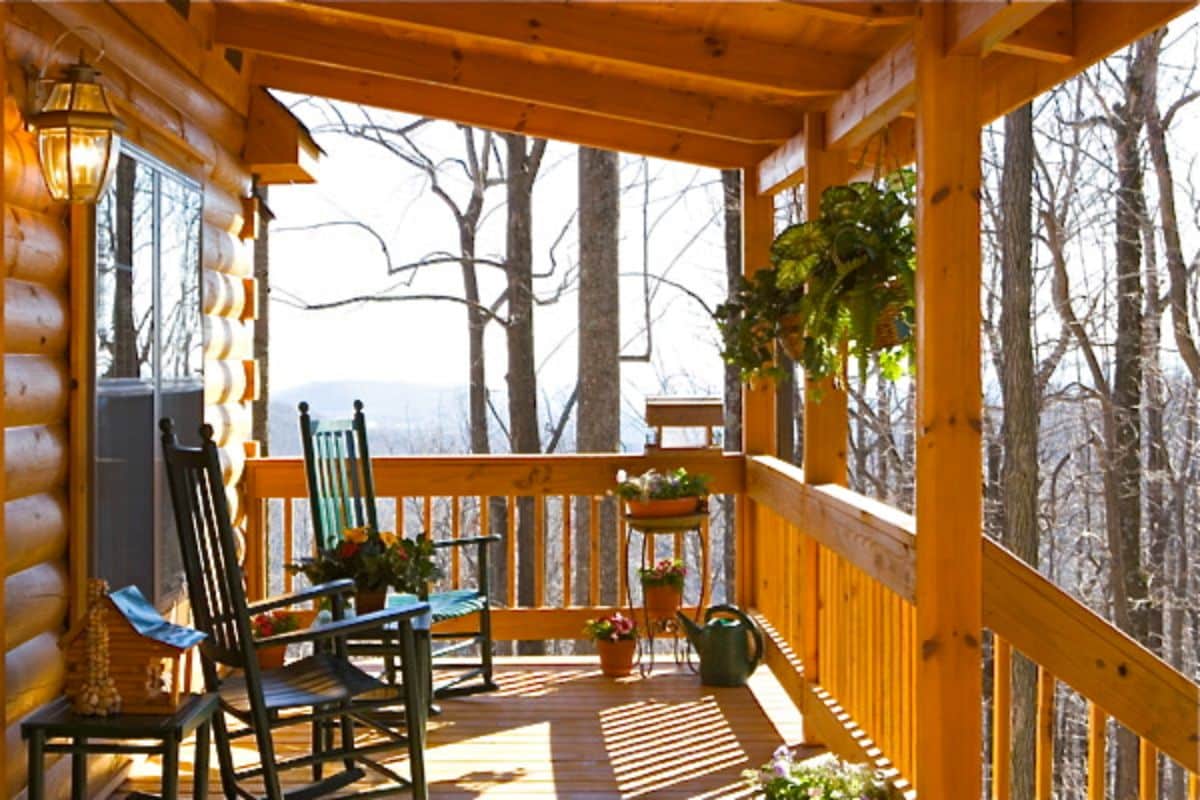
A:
<point x="724" y="645"/>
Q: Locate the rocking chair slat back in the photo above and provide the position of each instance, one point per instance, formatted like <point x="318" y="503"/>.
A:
<point x="339" y="474"/>
<point x="209" y="547"/>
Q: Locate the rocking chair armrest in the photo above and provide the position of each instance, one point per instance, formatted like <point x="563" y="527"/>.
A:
<point x="466" y="540"/>
<point x="346" y="627"/>
<point x="343" y="586"/>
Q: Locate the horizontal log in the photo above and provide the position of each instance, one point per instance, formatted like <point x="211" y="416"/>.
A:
<point x="224" y="382"/>
<point x="35" y="246"/>
<point x="157" y="71"/>
<point x="1090" y="655"/>
<point x="35" y="602"/>
<point x="35" y="319"/>
<point x="222" y="209"/>
<point x="501" y="475"/>
<point x="224" y="295"/>
<point x="35" y="529"/>
<point x="223" y="251"/>
<point x="233" y="464"/>
<point x="34" y="673"/>
<point x="227" y="339"/>
<point x="23" y="183"/>
<point x="35" y="460"/>
<point x="35" y="390"/>
<point x="231" y="422"/>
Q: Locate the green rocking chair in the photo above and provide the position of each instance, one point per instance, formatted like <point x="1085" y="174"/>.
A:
<point x="341" y="492"/>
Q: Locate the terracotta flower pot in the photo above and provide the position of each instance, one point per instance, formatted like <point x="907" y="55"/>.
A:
<point x="677" y="507"/>
<point x="271" y="657"/>
<point x="616" y="658"/>
<point x="661" y="601"/>
<point x="366" y="601"/>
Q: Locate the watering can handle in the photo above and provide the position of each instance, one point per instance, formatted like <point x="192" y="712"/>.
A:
<point x="745" y="619"/>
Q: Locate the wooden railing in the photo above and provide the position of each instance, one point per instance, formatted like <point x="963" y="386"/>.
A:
<point x="560" y="499"/>
<point x="845" y="648"/>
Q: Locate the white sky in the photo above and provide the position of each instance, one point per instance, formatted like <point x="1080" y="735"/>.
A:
<point x="426" y="342"/>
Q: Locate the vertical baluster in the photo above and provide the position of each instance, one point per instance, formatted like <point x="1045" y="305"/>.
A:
<point x="455" y="533"/>
<point x="1147" y="770"/>
<point x="594" y="548"/>
<point x="1097" y="752"/>
<point x="511" y="552"/>
<point x="539" y="551"/>
<point x="566" y="551"/>
<point x="622" y="587"/>
<point x="289" y="531"/>
<point x="485" y="527"/>
<point x="705" y="564"/>
<point x="1194" y="787"/>
<point x="1044" y="772"/>
<point x="427" y="516"/>
<point x="399" y="501"/>
<point x="1001" y="718"/>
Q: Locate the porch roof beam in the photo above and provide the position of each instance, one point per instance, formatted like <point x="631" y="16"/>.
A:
<point x="502" y="114"/>
<point x="714" y="55"/>
<point x="312" y="35"/>
<point x="978" y="28"/>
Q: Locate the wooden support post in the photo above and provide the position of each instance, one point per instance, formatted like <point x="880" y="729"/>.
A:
<point x="3" y="348"/>
<point x="83" y="384"/>
<point x="826" y="414"/>
<point x="949" y="397"/>
<point x="758" y="403"/>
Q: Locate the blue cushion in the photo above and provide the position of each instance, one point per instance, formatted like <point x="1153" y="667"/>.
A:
<point x="445" y="605"/>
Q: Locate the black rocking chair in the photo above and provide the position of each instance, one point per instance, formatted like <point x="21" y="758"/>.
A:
<point x="323" y="691"/>
<point x="341" y="492"/>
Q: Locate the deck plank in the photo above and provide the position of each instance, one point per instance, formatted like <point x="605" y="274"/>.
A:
<point x="563" y="730"/>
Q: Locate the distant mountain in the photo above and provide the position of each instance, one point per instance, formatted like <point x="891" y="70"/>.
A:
<point x="415" y="418"/>
<point x="386" y="401"/>
<point x="396" y="410"/>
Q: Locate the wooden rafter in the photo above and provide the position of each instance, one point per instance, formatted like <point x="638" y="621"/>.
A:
<point x="977" y="28"/>
<point x="435" y="59"/>
<point x="713" y="56"/>
<point x="502" y="114"/>
<point x="884" y="92"/>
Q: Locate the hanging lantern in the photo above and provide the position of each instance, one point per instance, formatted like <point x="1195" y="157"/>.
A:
<point x="77" y="137"/>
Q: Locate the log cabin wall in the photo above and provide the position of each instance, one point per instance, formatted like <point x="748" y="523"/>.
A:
<point x="182" y="102"/>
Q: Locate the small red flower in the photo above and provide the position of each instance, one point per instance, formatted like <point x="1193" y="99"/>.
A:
<point x="347" y="549"/>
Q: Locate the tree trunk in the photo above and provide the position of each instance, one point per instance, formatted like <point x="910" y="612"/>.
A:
<point x="1019" y="432"/>
<point x="1130" y="591"/>
<point x="598" y="424"/>
<point x="522" y="378"/>
<point x="731" y="183"/>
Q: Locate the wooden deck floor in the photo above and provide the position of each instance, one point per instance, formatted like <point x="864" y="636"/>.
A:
<point x="561" y="729"/>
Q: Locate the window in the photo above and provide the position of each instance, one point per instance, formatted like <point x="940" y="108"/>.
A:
<point x="149" y="364"/>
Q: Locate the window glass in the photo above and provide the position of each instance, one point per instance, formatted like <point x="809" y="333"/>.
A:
<point x="149" y="364"/>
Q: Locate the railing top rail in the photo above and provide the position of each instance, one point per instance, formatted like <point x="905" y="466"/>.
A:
<point x="1075" y="644"/>
<point x="501" y="475"/>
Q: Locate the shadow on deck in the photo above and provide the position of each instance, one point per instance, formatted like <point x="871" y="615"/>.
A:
<point x="558" y="728"/>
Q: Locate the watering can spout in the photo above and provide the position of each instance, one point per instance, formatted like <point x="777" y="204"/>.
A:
<point x="695" y="634"/>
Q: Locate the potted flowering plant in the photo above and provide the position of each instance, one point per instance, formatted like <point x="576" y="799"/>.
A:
<point x="273" y="623"/>
<point x="657" y="494"/>
<point x="825" y="777"/>
<point x="616" y="640"/>
<point x="375" y="562"/>
<point x="662" y="588"/>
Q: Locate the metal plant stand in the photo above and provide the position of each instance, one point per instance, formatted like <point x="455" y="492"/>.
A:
<point x="650" y="528"/>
